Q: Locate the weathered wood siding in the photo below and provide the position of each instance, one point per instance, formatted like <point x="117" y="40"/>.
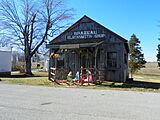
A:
<point x="113" y="74"/>
<point x="112" y="43"/>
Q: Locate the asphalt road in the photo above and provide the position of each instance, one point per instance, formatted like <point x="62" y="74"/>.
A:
<point x="19" y="102"/>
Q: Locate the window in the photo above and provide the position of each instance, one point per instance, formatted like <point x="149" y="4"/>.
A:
<point x="112" y="59"/>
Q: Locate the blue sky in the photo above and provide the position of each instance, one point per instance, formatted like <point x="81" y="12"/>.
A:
<point x="125" y="17"/>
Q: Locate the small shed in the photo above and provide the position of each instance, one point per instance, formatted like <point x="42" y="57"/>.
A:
<point x="89" y="45"/>
<point x="5" y="61"/>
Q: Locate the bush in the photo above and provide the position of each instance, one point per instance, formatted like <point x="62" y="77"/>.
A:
<point x="18" y="66"/>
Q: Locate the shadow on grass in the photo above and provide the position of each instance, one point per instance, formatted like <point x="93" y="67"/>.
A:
<point x="132" y="84"/>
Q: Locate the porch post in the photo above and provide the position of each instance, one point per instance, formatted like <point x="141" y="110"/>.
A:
<point x="96" y="50"/>
<point x="50" y="65"/>
<point x="95" y="64"/>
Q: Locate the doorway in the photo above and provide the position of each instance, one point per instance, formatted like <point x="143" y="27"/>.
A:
<point x="86" y="58"/>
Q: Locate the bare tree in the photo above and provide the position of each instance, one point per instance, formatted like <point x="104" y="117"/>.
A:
<point x="31" y="23"/>
<point x="4" y="41"/>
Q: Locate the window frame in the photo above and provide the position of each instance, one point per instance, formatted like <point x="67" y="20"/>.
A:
<point x="112" y="59"/>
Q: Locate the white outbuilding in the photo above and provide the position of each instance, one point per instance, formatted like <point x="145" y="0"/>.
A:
<point x="5" y="61"/>
<point x="46" y="61"/>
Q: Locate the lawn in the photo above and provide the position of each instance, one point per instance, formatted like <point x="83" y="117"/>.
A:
<point x="43" y="81"/>
<point x="151" y="73"/>
<point x="146" y="80"/>
<point x="39" y="78"/>
<point x="151" y="68"/>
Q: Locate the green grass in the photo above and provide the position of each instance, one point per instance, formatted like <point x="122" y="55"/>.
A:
<point x="42" y="81"/>
<point x="39" y="78"/>
<point x="144" y="81"/>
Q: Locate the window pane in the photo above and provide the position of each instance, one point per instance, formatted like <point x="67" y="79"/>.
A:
<point x="112" y="59"/>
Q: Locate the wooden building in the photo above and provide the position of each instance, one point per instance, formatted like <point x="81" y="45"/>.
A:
<point x="89" y="45"/>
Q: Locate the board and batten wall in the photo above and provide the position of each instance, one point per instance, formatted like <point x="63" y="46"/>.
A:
<point x="120" y="72"/>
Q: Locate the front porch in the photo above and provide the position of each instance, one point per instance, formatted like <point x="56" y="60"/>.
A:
<point x="74" y="58"/>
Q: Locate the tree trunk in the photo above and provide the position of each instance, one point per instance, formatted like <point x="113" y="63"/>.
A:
<point x="131" y="74"/>
<point x="28" y="64"/>
<point x="27" y="52"/>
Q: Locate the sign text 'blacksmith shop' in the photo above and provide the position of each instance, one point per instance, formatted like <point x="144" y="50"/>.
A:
<point x="88" y="34"/>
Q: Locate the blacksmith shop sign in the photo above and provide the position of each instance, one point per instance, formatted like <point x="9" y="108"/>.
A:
<point x="87" y="34"/>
